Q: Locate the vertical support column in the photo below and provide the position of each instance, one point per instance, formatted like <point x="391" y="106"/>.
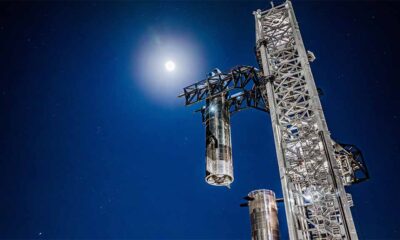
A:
<point x="315" y="200"/>
<point x="268" y="96"/>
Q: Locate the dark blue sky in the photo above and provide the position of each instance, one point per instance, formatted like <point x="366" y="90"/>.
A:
<point x="93" y="146"/>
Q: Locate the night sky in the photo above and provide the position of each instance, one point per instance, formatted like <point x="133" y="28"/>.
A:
<point x="95" y="144"/>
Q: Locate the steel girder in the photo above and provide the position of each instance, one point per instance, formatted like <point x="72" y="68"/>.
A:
<point x="242" y="83"/>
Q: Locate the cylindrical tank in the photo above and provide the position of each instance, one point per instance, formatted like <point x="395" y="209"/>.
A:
<point x="263" y="215"/>
<point x="219" y="167"/>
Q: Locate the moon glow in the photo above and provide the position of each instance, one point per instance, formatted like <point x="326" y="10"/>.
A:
<point x="170" y="66"/>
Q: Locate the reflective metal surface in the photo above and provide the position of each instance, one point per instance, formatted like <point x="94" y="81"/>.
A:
<point x="219" y="169"/>
<point x="263" y="215"/>
<point x="313" y="168"/>
<point x="316" y="202"/>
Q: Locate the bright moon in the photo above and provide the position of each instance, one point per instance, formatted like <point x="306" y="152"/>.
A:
<point x="170" y="66"/>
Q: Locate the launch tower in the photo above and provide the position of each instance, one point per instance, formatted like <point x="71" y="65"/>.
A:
<point x="314" y="169"/>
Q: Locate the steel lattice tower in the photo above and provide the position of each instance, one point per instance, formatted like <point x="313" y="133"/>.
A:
<point x="316" y="203"/>
<point x="313" y="167"/>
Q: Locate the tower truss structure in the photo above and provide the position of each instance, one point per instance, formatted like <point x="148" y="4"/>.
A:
<point x="316" y="203"/>
<point x="313" y="167"/>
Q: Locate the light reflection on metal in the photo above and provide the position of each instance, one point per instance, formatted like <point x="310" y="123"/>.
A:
<point x="263" y="215"/>
<point x="219" y="166"/>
